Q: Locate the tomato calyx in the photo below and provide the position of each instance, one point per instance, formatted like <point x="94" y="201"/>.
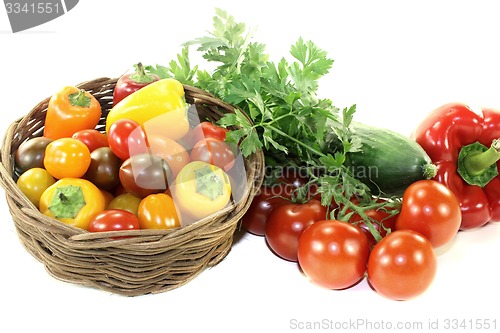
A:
<point x="208" y="183"/>
<point x="67" y="201"/>
<point x="79" y="99"/>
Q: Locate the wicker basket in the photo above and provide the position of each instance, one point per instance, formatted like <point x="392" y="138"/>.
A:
<point x="154" y="260"/>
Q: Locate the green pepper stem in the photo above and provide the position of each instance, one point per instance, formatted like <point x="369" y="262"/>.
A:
<point x="79" y="99"/>
<point x="140" y="75"/>
<point x="477" y="163"/>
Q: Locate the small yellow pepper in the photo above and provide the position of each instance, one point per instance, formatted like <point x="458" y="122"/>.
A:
<point x="201" y="189"/>
<point x="159" y="107"/>
<point x="73" y="201"/>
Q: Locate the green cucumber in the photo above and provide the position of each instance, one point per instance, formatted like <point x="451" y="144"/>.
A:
<point x="388" y="162"/>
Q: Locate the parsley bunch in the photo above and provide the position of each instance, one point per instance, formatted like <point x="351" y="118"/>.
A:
<point x="289" y="121"/>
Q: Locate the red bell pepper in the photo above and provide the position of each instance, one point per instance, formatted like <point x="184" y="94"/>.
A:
<point x="465" y="148"/>
<point x="130" y="83"/>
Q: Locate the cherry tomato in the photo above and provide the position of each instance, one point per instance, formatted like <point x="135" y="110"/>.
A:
<point x="431" y="209"/>
<point x="294" y="176"/>
<point x="158" y="211"/>
<point x="108" y="197"/>
<point x="286" y="223"/>
<point x="114" y="220"/>
<point x="145" y="174"/>
<point x="92" y="138"/>
<point x="402" y="265"/>
<point x="268" y="198"/>
<point x="215" y="152"/>
<point x="126" y="138"/>
<point x="104" y="169"/>
<point x="30" y="154"/>
<point x="34" y="182"/>
<point x="66" y="158"/>
<point x="171" y="151"/>
<point x="207" y="129"/>
<point x="125" y="201"/>
<point x="333" y="254"/>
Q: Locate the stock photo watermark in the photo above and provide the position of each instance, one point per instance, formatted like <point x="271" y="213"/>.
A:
<point x="26" y="14"/>
<point x="374" y="325"/>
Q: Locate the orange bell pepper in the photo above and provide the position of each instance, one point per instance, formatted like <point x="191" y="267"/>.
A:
<point x="69" y="111"/>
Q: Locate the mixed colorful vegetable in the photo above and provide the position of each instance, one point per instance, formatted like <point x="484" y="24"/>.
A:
<point x="465" y="147"/>
<point x="343" y="199"/>
<point x="150" y="169"/>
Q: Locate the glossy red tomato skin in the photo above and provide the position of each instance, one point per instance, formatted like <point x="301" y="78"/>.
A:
<point x="126" y="138"/>
<point x="431" y="209"/>
<point x="402" y="265"/>
<point x="114" y="220"/>
<point x="268" y="198"/>
<point x="207" y="129"/>
<point x="333" y="254"/>
<point x="286" y="223"/>
<point x="215" y="152"/>
<point x="92" y="138"/>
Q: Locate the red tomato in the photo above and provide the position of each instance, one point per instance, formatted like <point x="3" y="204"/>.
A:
<point x="127" y="138"/>
<point x="294" y="176"/>
<point x="286" y="223"/>
<point x="114" y="220"/>
<point x="171" y="151"/>
<point x="92" y="138"/>
<point x="402" y="265"/>
<point x="431" y="209"/>
<point x="215" y="152"/>
<point x="269" y="197"/>
<point x="208" y="130"/>
<point x="333" y="254"/>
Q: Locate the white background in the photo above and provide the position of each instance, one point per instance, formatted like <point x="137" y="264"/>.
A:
<point x="397" y="60"/>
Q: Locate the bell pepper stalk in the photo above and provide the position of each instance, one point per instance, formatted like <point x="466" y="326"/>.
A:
<point x="131" y="82"/>
<point x="71" y="110"/>
<point x="159" y="107"/>
<point x="73" y="201"/>
<point x="465" y="147"/>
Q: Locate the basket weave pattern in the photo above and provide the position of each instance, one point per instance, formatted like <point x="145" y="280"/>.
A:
<point x="150" y="262"/>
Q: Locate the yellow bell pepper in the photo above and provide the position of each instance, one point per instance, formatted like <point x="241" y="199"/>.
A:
<point x="73" y="201"/>
<point x="159" y="107"/>
<point x="201" y="189"/>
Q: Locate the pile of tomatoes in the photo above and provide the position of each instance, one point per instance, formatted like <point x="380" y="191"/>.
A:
<point x="339" y="254"/>
<point x="124" y="179"/>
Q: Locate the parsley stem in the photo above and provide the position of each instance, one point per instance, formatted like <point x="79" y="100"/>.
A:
<point x="300" y="143"/>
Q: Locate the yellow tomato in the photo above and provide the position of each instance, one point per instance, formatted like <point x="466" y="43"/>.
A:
<point x="67" y="158"/>
<point x="158" y="211"/>
<point x="34" y="182"/>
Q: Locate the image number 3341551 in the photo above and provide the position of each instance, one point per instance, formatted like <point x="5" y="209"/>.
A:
<point x="26" y="14"/>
